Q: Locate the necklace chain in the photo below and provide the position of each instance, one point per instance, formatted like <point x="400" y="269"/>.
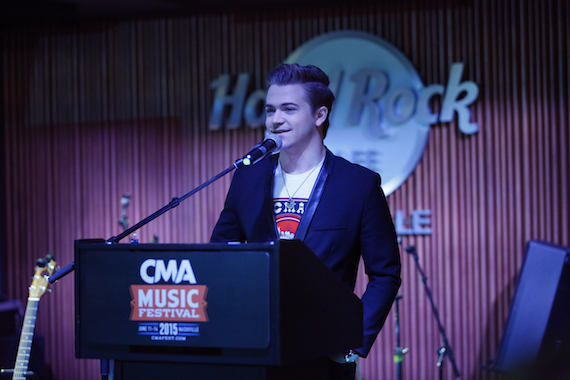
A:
<point x="291" y="203"/>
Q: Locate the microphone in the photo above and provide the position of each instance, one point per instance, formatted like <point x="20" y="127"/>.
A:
<point x="272" y="143"/>
<point x="126" y="200"/>
<point x="412" y="250"/>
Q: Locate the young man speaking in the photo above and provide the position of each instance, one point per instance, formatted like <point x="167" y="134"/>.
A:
<point x="337" y="208"/>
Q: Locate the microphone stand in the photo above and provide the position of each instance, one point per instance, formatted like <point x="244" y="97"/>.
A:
<point x="446" y="350"/>
<point x="399" y="352"/>
<point x="173" y="203"/>
<point x="272" y="143"/>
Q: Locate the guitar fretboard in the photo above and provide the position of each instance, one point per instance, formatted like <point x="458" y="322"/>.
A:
<point x="26" y="339"/>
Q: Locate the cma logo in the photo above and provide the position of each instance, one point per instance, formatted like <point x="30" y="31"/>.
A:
<point x="153" y="271"/>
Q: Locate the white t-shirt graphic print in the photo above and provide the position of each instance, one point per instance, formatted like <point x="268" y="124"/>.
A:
<point x="298" y="188"/>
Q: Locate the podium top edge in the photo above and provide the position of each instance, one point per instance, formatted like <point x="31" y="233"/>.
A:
<point x="102" y="244"/>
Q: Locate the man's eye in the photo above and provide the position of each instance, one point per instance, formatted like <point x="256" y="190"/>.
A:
<point x="269" y="110"/>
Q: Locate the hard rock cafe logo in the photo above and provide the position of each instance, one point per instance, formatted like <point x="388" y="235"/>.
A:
<point x="382" y="114"/>
<point x="161" y="301"/>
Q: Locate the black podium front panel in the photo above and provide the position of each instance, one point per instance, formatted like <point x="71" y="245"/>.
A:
<point x="132" y="298"/>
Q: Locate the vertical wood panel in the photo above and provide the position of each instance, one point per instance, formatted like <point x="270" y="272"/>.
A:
<point x="106" y="108"/>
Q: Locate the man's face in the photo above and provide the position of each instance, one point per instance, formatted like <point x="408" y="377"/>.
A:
<point x="288" y="114"/>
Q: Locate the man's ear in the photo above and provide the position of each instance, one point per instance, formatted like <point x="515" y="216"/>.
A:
<point x="321" y="115"/>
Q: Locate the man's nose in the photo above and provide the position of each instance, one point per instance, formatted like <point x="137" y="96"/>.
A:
<point x="277" y="117"/>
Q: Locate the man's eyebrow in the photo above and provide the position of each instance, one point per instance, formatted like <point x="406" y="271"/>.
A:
<point x="282" y="104"/>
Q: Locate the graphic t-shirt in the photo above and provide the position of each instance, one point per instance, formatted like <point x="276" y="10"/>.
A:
<point x="298" y="187"/>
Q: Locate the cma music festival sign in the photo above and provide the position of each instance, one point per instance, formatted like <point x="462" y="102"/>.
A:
<point x="171" y="303"/>
<point x="381" y="117"/>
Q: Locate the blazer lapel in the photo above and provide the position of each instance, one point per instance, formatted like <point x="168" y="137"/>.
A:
<point x="315" y="197"/>
<point x="268" y="197"/>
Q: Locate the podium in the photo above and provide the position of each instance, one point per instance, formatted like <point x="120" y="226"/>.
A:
<point x="211" y="311"/>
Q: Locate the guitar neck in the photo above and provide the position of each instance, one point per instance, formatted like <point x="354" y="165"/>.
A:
<point x="26" y="339"/>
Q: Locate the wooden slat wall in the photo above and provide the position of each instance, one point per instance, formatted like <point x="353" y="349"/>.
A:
<point x="98" y="110"/>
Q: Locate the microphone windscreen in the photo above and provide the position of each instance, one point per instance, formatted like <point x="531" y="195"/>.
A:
<point x="276" y="139"/>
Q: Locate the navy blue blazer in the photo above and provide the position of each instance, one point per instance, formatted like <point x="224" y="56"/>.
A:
<point x="346" y="217"/>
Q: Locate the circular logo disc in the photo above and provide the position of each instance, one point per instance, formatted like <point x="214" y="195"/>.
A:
<point x="376" y="87"/>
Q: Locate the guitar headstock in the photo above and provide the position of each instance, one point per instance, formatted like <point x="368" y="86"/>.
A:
<point x="44" y="269"/>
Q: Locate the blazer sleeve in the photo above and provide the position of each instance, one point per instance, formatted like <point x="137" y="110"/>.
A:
<point x="380" y="252"/>
<point x="247" y="215"/>
<point x="228" y="228"/>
